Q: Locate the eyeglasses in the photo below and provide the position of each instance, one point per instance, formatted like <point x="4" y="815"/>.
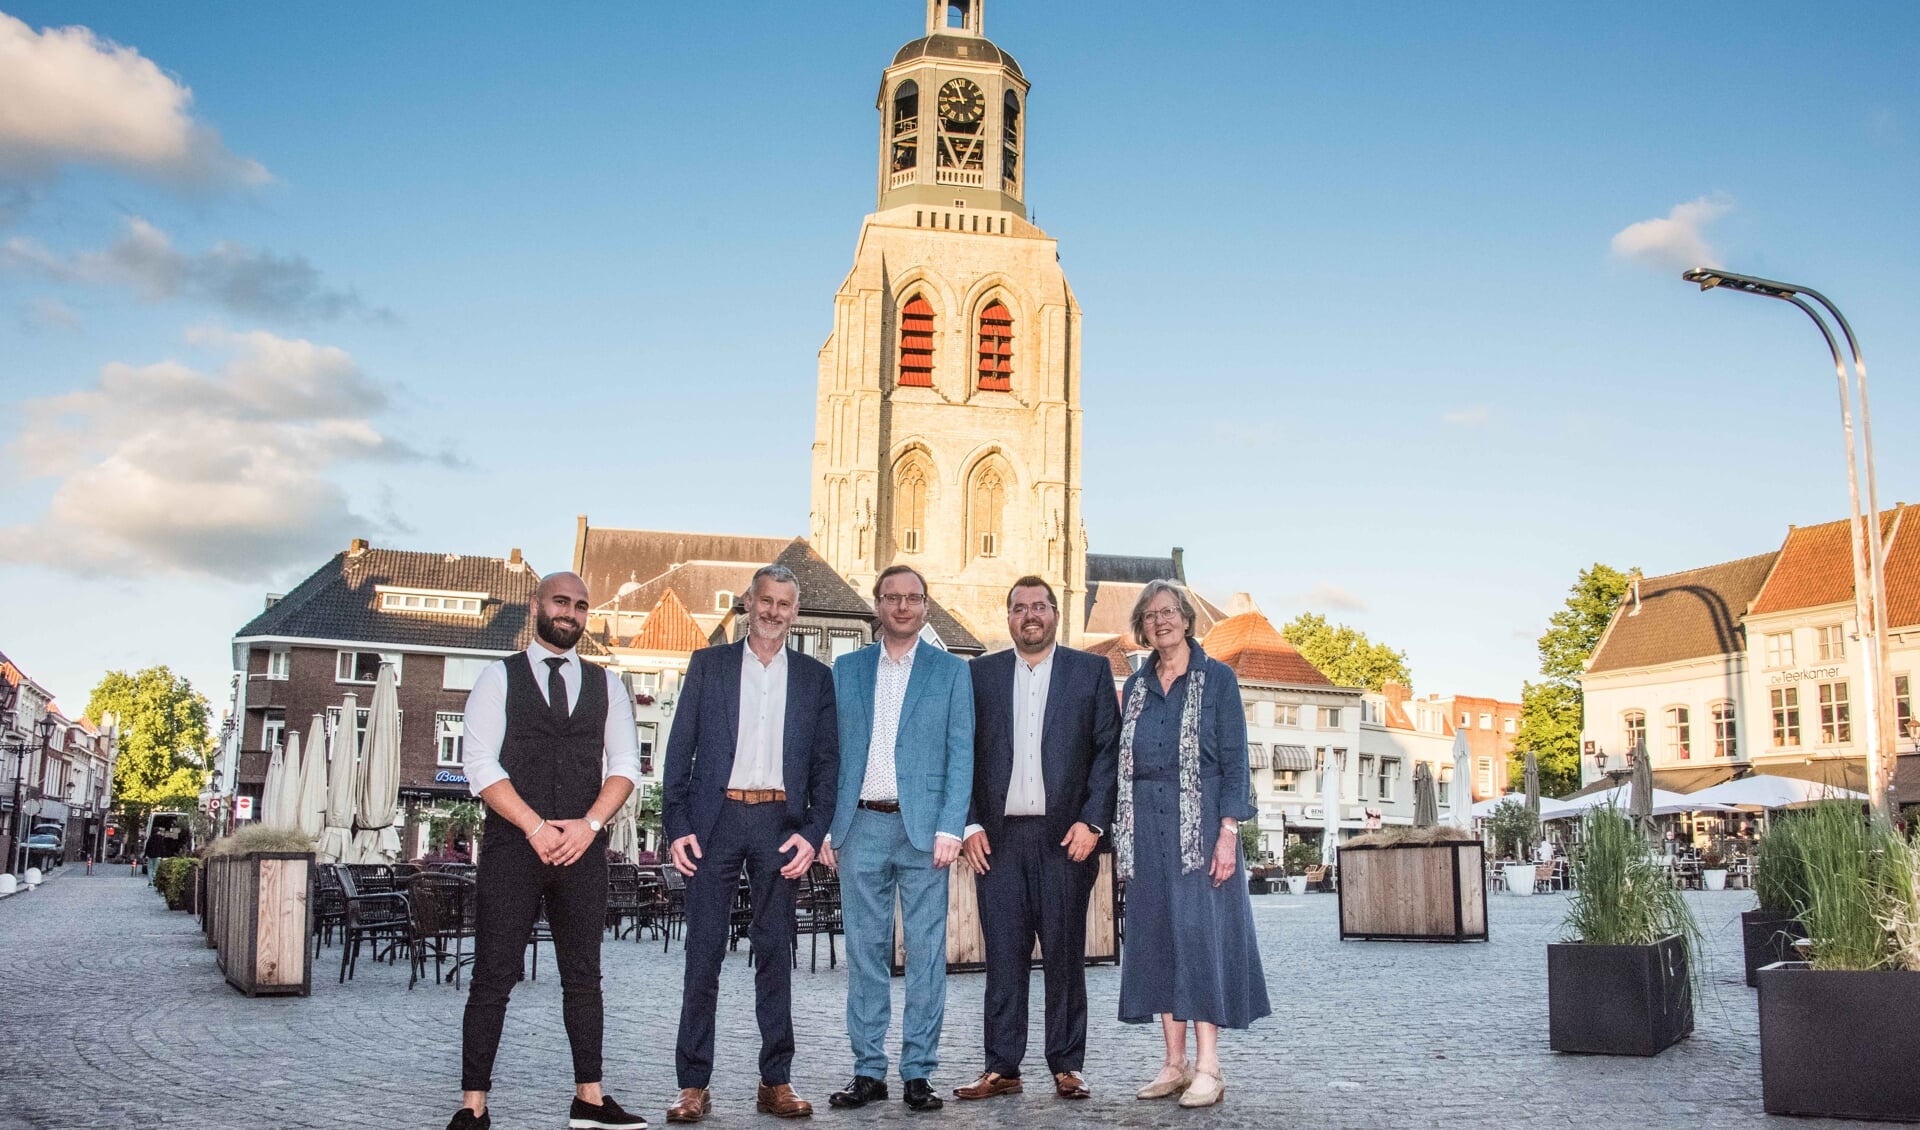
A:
<point x="1157" y="615"/>
<point x="1023" y="609"/>
<point x="910" y="599"/>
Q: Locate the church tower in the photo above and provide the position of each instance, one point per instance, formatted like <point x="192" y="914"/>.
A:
<point x="947" y="429"/>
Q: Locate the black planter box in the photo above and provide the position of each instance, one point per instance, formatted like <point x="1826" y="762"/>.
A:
<point x="1840" y="1044"/>
<point x="1618" y="1000"/>
<point x="1768" y="938"/>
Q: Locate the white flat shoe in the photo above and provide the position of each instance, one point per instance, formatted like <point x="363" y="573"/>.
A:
<point x="1165" y="1088"/>
<point x="1204" y="1090"/>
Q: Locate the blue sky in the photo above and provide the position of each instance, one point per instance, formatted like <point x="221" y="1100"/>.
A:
<point x="1357" y="335"/>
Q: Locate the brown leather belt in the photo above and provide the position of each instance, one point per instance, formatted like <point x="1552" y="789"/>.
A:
<point x="757" y="796"/>
<point x="881" y="805"/>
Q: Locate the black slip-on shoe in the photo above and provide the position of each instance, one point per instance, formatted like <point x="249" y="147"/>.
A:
<point x="920" y="1096"/>
<point x="584" y="1115"/>
<point x="860" y="1091"/>
<point x="465" y="1119"/>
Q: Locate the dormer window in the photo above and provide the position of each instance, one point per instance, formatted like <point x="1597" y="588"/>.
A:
<point x="723" y="601"/>
<point x="435" y="601"/>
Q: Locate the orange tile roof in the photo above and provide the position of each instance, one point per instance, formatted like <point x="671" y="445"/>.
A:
<point x="670" y="628"/>
<point x="1815" y="568"/>
<point x="1255" y="649"/>
<point x="1114" y="650"/>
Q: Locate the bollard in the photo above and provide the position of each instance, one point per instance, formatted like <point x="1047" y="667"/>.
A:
<point x="8" y="885"/>
<point x="34" y="878"/>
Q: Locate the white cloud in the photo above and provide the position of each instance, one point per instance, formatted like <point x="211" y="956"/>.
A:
<point x="239" y="278"/>
<point x="1677" y="241"/>
<point x="49" y="314"/>
<point x="1329" y="595"/>
<point x="1471" y="417"/>
<point x="166" y="468"/>
<point x="70" y="97"/>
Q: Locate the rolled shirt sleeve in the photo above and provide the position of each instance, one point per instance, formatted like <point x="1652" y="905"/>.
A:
<point x="623" y="741"/>
<point x="485" y="726"/>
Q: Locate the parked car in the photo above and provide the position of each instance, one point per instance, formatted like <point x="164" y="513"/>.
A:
<point x="44" y="843"/>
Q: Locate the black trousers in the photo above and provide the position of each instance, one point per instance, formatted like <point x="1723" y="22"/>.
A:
<point x="511" y="885"/>
<point x="1034" y="890"/>
<point x="749" y="834"/>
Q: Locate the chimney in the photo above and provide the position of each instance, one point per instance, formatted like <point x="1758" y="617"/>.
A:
<point x="514" y="561"/>
<point x="356" y="547"/>
<point x="1397" y="693"/>
<point x="1241" y="602"/>
<point x="579" y="542"/>
<point x="1636" y="594"/>
<point x="1179" y="565"/>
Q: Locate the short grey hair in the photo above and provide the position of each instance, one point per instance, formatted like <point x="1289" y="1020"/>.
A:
<point x="1138" y="621"/>
<point x="775" y="572"/>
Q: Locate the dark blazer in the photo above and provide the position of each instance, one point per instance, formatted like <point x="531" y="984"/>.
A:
<point x="706" y="727"/>
<point x="1079" y="741"/>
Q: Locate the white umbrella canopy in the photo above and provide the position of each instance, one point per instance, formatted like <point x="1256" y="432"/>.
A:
<point x="1621" y="797"/>
<point x="343" y="783"/>
<point x="374" y="838"/>
<point x="276" y="784"/>
<point x="1549" y="807"/>
<point x="1765" y="790"/>
<point x="1330" y="809"/>
<point x="1460" y="797"/>
<point x="311" y="813"/>
<point x="281" y="802"/>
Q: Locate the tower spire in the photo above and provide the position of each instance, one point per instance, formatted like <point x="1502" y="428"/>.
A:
<point x="956" y="17"/>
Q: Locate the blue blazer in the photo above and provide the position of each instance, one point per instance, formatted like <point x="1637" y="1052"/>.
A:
<point x="933" y="753"/>
<point x="1079" y="741"/>
<point x="706" y="728"/>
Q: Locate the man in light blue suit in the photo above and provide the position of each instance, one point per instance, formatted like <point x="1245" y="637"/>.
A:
<point x="906" y="778"/>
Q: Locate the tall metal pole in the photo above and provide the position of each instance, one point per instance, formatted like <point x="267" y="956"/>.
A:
<point x="1869" y="559"/>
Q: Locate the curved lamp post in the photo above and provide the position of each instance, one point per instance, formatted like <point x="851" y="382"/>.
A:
<point x="1869" y="582"/>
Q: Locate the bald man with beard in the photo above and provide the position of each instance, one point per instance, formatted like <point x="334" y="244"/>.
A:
<point x="539" y="726"/>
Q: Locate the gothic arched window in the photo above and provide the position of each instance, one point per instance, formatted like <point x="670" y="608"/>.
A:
<point x="906" y="126"/>
<point x="910" y="507"/>
<point x="1010" y="145"/>
<point x="996" y="348"/>
<point x="989" y="511"/>
<point x="916" y="342"/>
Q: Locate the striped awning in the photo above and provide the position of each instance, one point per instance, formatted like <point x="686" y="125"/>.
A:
<point x="1292" y="759"/>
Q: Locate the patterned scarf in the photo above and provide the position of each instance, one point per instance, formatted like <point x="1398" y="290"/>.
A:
<point x="1191" y="857"/>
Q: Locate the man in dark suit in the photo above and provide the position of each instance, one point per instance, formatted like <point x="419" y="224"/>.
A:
<point x="1046" y="771"/>
<point x="752" y="765"/>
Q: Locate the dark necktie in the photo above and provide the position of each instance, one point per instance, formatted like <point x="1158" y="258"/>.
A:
<point x="557" y="688"/>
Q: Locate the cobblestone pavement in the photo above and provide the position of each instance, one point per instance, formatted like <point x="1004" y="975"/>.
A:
<point x="112" y="1014"/>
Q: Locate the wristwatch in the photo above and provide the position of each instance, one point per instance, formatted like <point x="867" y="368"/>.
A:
<point x="595" y="825"/>
<point x="1229" y="824"/>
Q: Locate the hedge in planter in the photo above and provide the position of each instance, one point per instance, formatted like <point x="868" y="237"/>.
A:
<point x="1838" y="1036"/>
<point x="173" y="878"/>
<point x="1622" y="984"/>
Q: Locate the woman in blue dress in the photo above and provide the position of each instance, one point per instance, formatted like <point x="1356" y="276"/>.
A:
<point x="1191" y="956"/>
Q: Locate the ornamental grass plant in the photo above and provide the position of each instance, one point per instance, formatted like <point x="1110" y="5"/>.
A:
<point x="1843" y="903"/>
<point x="1623" y="894"/>
<point x="261" y="838"/>
<point x="1780" y="867"/>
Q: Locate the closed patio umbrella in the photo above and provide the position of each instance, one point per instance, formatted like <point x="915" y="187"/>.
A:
<point x="1330" y="809"/>
<point x="1426" y="809"/>
<point x="1531" y="775"/>
<point x="374" y="838"/>
<point x="1460" y="795"/>
<point x="311" y="814"/>
<point x="1640" y="803"/>
<point x="281" y="807"/>
<point x="343" y="783"/>
<point x="624" y="835"/>
<point x="276" y="783"/>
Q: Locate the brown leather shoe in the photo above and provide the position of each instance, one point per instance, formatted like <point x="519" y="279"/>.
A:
<point x="989" y="1084"/>
<point x="779" y="1100"/>
<point x="1069" y="1085"/>
<point x="693" y="1105"/>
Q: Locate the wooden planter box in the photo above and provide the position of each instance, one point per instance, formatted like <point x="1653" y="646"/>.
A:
<point x="213" y="874"/>
<point x="1413" y="893"/>
<point x="1767" y="938"/>
<point x="1840" y="1044"/>
<point x="266" y="922"/>
<point x="1618" y="1000"/>
<point x="967" y="944"/>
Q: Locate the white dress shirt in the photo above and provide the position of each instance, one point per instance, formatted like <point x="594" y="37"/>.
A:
<point x="757" y="753"/>
<point x="889" y="694"/>
<point x="1027" y="789"/>
<point x="486" y="719"/>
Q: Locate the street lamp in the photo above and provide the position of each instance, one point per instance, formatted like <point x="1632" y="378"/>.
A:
<point x="43" y="734"/>
<point x="1869" y="581"/>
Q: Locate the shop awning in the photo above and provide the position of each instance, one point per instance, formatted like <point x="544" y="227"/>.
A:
<point x="1292" y="759"/>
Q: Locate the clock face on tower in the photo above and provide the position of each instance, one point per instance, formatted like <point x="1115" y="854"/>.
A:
<point x="961" y="102"/>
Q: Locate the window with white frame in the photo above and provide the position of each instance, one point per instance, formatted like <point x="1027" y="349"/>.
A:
<point x="1465" y="721"/>
<point x="841" y="643"/>
<point x="450" y="729"/>
<point x="806" y="641"/>
<point x="359" y="736"/>
<point x="1636" y="725"/>
<point x="1486" y="721"/>
<point x="1486" y="775"/>
<point x="1831" y="641"/>
<point x="1329" y="718"/>
<point x="1786" y="716"/>
<point x="273" y="731"/>
<point x="1366" y="775"/>
<point x="723" y="601"/>
<point x="444" y="603"/>
<point x="364" y="666"/>
<point x="1252" y="711"/>
<point x="1779" y="649"/>
<point x="460" y="671"/>
<point x="1680" y="732"/>
<point x="1725" y="740"/>
<point x="1836" y="716"/>
<point x="279" y="662"/>
<point x="1903" y="706"/>
<point x="1508" y="724"/>
<point x="1440" y="788"/>
<point x="1389" y="778"/>
<point x="1286" y="714"/>
<point x="1286" y="780"/>
<point x="647" y="735"/>
<point x="649" y="681"/>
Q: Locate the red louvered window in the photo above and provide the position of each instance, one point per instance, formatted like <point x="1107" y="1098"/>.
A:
<point x="916" y="343"/>
<point x="996" y="348"/>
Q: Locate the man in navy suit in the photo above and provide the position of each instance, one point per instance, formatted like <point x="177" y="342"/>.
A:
<point x="1046" y="771"/>
<point x="906" y="772"/>
<point x="752" y="763"/>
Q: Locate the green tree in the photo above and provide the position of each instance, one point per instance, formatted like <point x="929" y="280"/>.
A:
<point x="1550" y="710"/>
<point x="1345" y="655"/>
<point x="164" y="740"/>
